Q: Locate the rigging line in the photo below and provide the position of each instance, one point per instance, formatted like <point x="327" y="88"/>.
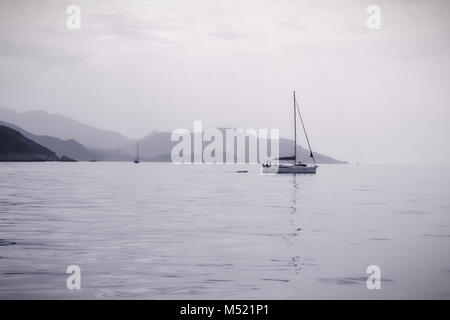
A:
<point x="304" y="130"/>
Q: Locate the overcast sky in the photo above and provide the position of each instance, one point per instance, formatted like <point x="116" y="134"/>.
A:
<point x="373" y="96"/>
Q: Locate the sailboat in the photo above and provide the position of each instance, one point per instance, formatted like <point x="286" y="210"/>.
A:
<point x="136" y="160"/>
<point x="295" y="166"/>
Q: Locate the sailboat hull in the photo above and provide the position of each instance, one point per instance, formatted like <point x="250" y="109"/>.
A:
<point x="275" y="169"/>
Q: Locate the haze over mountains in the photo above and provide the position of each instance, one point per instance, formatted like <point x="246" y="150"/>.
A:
<point x="69" y="148"/>
<point x="55" y="125"/>
<point x="68" y="137"/>
<point x="158" y="146"/>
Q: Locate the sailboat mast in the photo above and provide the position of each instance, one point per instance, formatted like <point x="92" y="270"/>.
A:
<point x="295" y="130"/>
<point x="137" y="150"/>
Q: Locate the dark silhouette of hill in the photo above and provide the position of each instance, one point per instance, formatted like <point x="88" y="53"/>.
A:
<point x="69" y="148"/>
<point x="15" y="147"/>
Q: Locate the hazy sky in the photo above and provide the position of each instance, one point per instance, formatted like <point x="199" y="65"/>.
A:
<point x="374" y="96"/>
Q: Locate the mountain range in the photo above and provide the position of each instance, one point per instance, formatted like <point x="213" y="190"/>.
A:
<point x="62" y="127"/>
<point x="69" y="148"/>
<point x="68" y="137"/>
<point x="15" y="147"/>
<point x="157" y="146"/>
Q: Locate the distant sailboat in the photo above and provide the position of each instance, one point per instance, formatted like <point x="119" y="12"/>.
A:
<point x="136" y="160"/>
<point x="295" y="167"/>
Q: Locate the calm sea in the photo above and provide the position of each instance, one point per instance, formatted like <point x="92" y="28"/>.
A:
<point x="162" y="231"/>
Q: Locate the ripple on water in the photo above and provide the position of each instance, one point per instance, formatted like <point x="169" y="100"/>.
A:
<point x="436" y="235"/>
<point x="4" y="243"/>
<point x="373" y="203"/>
<point x="411" y="212"/>
<point x="349" y="280"/>
<point x="366" y="188"/>
<point x="193" y="232"/>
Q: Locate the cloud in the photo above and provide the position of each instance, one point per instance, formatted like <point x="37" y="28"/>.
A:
<point x="39" y="52"/>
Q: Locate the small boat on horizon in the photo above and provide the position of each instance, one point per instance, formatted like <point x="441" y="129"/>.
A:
<point x="136" y="160"/>
<point x="296" y="166"/>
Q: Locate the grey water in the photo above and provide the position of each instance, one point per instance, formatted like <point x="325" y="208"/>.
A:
<point x="165" y="231"/>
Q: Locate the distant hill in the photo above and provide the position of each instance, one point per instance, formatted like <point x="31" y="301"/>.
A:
<point x="15" y="147"/>
<point x="69" y="148"/>
<point x="287" y="146"/>
<point x="152" y="145"/>
<point x="69" y="137"/>
<point x="157" y="147"/>
<point x="58" y="126"/>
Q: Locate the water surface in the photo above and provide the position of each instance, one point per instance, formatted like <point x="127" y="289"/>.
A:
<point x="162" y="231"/>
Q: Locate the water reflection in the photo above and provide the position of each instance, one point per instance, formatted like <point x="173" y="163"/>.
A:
<point x="202" y="232"/>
